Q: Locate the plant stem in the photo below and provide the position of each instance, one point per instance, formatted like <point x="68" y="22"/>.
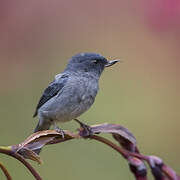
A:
<point x="123" y="152"/>
<point x="5" y="172"/>
<point x="22" y="160"/>
<point x="111" y="144"/>
<point x="126" y="154"/>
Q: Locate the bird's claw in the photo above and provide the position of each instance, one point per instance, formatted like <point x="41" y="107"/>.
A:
<point x="86" y="130"/>
<point x="59" y="130"/>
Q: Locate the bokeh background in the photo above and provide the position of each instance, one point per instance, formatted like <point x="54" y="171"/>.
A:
<point x="142" y="93"/>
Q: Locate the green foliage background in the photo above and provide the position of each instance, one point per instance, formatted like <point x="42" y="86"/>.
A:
<point x="142" y="93"/>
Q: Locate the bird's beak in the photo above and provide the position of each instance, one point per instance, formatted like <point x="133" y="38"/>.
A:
<point x="110" y="63"/>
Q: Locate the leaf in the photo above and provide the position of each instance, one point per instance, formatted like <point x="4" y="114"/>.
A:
<point x="157" y="166"/>
<point x="31" y="147"/>
<point x="29" y="154"/>
<point x="120" y="134"/>
<point x="138" y="168"/>
<point x="169" y="172"/>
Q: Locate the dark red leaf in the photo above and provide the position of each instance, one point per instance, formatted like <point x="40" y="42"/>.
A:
<point x="158" y="167"/>
<point x="138" y="168"/>
<point x="119" y="132"/>
<point x="34" y="143"/>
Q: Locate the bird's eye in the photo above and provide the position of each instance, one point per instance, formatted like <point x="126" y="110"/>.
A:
<point x="95" y="61"/>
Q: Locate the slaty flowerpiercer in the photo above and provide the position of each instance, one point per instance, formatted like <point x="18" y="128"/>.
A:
<point x="72" y="92"/>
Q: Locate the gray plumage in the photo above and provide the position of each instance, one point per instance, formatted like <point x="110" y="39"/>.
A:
<point x="73" y="91"/>
<point x="52" y="90"/>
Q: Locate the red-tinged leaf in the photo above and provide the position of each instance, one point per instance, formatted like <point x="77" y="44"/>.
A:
<point x="138" y="168"/>
<point x="120" y="134"/>
<point x="41" y="138"/>
<point x="118" y="131"/>
<point x="157" y="173"/>
<point x="36" y="138"/>
<point x="125" y="143"/>
<point x="29" y="154"/>
<point x="158" y="167"/>
<point x="169" y="172"/>
<point x="31" y="147"/>
<point x="154" y="160"/>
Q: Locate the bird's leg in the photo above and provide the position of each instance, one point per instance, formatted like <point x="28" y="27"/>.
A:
<point x="58" y="129"/>
<point x="87" y="131"/>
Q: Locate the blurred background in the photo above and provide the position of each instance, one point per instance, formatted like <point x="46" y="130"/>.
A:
<point x="36" y="40"/>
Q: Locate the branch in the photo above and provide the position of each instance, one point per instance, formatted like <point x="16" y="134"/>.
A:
<point x="110" y="144"/>
<point x="5" y="172"/>
<point x="31" y="147"/>
<point x="9" y="152"/>
<point x="134" y="163"/>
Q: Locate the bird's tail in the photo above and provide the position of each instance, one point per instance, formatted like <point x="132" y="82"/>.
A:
<point x="42" y="126"/>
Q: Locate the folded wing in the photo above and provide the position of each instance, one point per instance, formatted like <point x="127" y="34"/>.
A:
<point x="51" y="91"/>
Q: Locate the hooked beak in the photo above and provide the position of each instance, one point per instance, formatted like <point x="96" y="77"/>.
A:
<point x="110" y="63"/>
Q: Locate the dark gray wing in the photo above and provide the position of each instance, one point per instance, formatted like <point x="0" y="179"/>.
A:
<point x="51" y="91"/>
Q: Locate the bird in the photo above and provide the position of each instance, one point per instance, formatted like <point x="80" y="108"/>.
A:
<point x="72" y="92"/>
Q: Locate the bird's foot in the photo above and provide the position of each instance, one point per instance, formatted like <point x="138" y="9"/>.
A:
<point x="86" y="130"/>
<point x="59" y="130"/>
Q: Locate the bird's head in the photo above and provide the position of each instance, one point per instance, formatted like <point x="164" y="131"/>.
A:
<point x="89" y="62"/>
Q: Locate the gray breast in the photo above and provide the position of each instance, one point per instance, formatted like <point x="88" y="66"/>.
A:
<point x="75" y="98"/>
